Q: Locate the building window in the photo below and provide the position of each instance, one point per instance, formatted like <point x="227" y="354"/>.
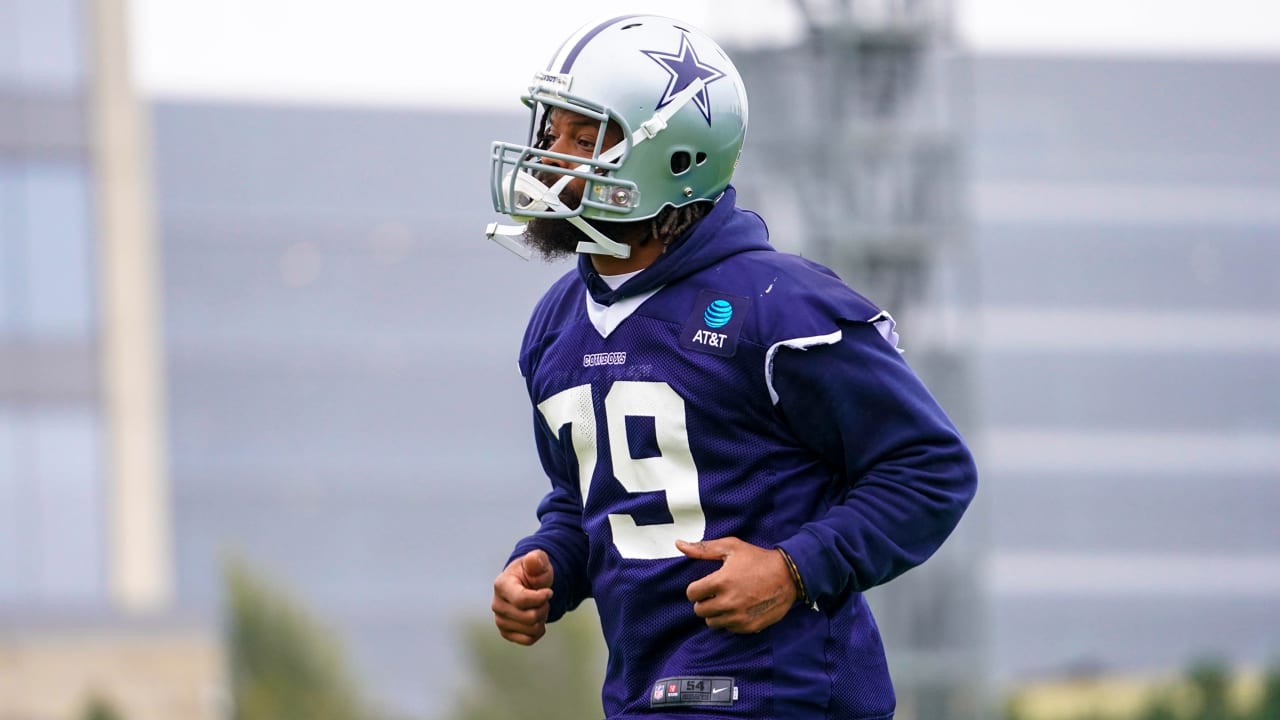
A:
<point x="46" y="255"/>
<point x="42" y="44"/>
<point x="9" y="244"/>
<point x="52" y="507"/>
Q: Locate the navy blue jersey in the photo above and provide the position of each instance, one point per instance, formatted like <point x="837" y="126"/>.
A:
<point x="730" y="390"/>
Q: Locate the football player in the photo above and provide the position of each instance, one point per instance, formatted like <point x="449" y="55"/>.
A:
<point x="736" y="448"/>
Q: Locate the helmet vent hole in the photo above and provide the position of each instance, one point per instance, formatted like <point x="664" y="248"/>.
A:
<point x="700" y="158"/>
<point x="632" y="25"/>
<point x="681" y="161"/>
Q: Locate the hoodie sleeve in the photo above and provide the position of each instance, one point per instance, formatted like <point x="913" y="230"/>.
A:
<point x="560" y="532"/>
<point x="907" y="473"/>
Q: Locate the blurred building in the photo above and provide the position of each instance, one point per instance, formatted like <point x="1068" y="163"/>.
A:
<point x="85" y="573"/>
<point x="1127" y="215"/>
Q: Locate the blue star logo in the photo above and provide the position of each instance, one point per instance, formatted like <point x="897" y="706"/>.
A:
<point x="685" y="67"/>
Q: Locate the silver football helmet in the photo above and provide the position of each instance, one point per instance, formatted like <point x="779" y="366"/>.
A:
<point x="682" y="109"/>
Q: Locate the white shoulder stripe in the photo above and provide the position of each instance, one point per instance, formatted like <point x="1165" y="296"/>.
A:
<point x="794" y="344"/>
<point x="883" y="323"/>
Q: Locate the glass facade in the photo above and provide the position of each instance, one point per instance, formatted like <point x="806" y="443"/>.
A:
<point x="41" y="44"/>
<point x="51" y="550"/>
<point x="47" y="275"/>
<point x="52" y="479"/>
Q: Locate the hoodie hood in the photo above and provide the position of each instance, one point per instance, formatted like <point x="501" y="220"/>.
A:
<point x="727" y="230"/>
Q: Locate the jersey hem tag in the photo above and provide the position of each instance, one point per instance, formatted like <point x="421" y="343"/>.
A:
<point x="694" y="690"/>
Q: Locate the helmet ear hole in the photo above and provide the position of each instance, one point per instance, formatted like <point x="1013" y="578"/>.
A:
<point x="680" y="161"/>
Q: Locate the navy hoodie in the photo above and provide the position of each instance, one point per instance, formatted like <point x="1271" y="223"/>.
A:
<point x="730" y="390"/>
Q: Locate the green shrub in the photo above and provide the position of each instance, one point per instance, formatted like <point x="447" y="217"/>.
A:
<point x="283" y="663"/>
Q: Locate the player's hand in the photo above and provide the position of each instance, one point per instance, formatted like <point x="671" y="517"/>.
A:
<point x="522" y="598"/>
<point x="752" y="590"/>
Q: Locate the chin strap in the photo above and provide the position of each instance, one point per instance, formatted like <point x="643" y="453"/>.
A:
<point x="505" y="235"/>
<point x="548" y="198"/>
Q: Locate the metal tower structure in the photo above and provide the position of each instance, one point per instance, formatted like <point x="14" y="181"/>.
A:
<point x="855" y="158"/>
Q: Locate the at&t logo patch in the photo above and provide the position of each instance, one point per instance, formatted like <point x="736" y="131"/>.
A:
<point x="714" y="323"/>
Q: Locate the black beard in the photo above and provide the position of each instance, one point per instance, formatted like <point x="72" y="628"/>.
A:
<point x="555" y="238"/>
<point x="552" y="238"/>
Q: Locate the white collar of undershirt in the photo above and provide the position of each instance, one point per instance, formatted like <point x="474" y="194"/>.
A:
<point x="607" y="318"/>
<point x="615" y="281"/>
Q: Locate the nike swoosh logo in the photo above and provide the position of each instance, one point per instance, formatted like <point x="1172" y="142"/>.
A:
<point x="713" y="692"/>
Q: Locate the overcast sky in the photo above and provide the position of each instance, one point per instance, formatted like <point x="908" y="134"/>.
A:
<point x="482" y="53"/>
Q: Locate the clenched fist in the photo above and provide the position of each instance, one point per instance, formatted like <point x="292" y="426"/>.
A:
<point x="522" y="598"/>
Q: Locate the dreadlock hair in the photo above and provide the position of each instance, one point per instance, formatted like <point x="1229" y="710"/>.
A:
<point x="672" y="222"/>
